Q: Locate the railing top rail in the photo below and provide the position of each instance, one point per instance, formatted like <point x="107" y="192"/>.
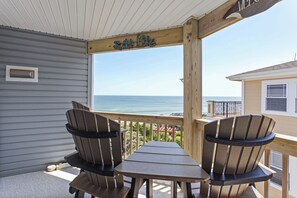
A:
<point x="203" y="121"/>
<point x="176" y="120"/>
<point x="284" y="144"/>
<point x="216" y="101"/>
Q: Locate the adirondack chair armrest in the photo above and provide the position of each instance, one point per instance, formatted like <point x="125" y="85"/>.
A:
<point x="240" y="142"/>
<point x="74" y="160"/>
<point x="267" y="169"/>
<point x="261" y="173"/>
<point x="91" y="134"/>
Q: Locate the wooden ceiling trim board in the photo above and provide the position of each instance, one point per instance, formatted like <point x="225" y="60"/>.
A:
<point x="156" y="12"/>
<point x="139" y="15"/>
<point x="113" y="16"/>
<point x="105" y="17"/>
<point x="98" y="10"/>
<point x="166" y="37"/>
<point x="214" y="21"/>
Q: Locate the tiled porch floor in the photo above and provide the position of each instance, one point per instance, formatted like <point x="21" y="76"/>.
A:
<point x="55" y="184"/>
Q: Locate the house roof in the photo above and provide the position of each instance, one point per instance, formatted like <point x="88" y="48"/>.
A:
<point x="284" y="70"/>
<point x="98" y="19"/>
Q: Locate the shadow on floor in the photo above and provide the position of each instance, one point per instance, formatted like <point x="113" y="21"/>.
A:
<point x="55" y="184"/>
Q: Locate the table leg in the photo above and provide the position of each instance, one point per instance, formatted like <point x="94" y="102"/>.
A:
<point x="174" y="189"/>
<point x="187" y="189"/>
<point x="149" y="188"/>
<point x="135" y="186"/>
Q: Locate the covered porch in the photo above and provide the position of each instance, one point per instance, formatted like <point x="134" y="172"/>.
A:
<point x="61" y="37"/>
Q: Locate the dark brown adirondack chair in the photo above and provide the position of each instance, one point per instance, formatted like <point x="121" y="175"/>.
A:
<point x="232" y="149"/>
<point x="98" y="144"/>
<point x="77" y="105"/>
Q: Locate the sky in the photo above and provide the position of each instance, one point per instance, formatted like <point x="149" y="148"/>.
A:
<point x="262" y="40"/>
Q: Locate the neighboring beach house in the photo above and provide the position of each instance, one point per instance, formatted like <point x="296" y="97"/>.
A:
<point x="272" y="91"/>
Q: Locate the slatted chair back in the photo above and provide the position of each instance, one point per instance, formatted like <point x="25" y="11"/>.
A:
<point x="230" y="157"/>
<point x="104" y="152"/>
<point x="77" y="105"/>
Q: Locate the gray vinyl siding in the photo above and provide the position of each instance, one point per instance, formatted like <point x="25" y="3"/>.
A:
<point x="32" y="115"/>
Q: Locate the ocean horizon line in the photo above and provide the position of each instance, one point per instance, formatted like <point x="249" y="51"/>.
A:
<point x="160" y="105"/>
<point x="168" y="96"/>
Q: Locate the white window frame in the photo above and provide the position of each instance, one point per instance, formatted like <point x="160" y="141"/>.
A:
<point x="291" y="94"/>
<point x="15" y="79"/>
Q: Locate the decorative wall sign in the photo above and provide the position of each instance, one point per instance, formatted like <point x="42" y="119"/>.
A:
<point x="141" y="41"/>
<point x="247" y="8"/>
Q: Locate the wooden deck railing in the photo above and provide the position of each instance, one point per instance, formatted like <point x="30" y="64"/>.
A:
<point x="224" y="108"/>
<point x="143" y="128"/>
<point x="287" y="146"/>
<point x="170" y="128"/>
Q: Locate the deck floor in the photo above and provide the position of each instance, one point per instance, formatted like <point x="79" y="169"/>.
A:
<point x="55" y="184"/>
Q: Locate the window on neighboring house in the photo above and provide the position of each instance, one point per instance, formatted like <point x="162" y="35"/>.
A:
<point x="276" y="99"/>
<point x="279" y="97"/>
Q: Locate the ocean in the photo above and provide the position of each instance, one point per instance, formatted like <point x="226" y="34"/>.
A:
<point x="156" y="105"/>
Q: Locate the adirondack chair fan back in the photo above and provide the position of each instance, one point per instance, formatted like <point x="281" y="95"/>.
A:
<point x="77" y="105"/>
<point x="232" y="149"/>
<point x="98" y="144"/>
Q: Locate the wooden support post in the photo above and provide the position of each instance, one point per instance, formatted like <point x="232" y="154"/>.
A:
<point x="131" y="137"/>
<point x="267" y="163"/>
<point x="181" y="137"/>
<point x="144" y="133"/>
<point x="166" y="127"/>
<point x="210" y="108"/>
<point x="125" y="140"/>
<point x="285" y="176"/>
<point x="137" y="135"/>
<point x="173" y="134"/>
<point x="158" y="132"/>
<point x="192" y="81"/>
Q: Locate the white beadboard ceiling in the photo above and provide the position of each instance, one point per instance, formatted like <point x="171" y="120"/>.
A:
<point x="97" y="19"/>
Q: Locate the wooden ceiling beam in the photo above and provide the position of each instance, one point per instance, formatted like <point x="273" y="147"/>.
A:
<point x="214" y="21"/>
<point x="165" y="37"/>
